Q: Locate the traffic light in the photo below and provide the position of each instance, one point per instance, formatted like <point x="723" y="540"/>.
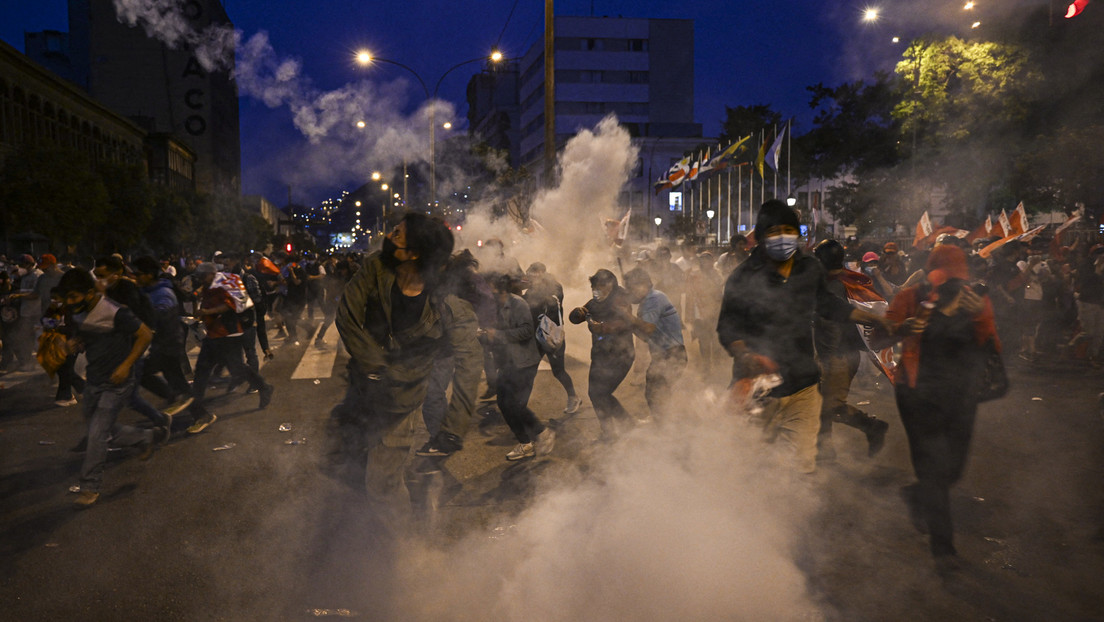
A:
<point x="1075" y="8"/>
<point x="287" y="247"/>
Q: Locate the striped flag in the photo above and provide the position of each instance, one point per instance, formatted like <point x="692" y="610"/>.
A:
<point x="1005" y="224"/>
<point x="1018" y="219"/>
<point x="923" y="230"/>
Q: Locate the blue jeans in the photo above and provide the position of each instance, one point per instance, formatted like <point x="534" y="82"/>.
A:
<point x="101" y="407"/>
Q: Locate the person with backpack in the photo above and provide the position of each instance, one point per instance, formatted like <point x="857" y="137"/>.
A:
<point x="545" y="297"/>
<point x="222" y="298"/>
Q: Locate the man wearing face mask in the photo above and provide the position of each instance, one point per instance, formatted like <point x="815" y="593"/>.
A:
<point x="608" y="316"/>
<point x="113" y="339"/>
<point x="766" y="325"/>
<point x="395" y="319"/>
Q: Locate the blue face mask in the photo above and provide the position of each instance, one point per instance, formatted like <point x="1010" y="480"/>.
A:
<point x="781" y="247"/>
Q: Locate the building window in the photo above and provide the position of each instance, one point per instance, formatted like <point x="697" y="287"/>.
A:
<point x="638" y="45"/>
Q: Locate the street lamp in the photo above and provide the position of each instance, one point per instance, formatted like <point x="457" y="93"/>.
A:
<point x="658" y="222"/>
<point x="365" y="58"/>
<point x="791" y="200"/>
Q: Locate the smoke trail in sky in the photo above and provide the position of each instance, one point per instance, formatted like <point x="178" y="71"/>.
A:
<point x="348" y="127"/>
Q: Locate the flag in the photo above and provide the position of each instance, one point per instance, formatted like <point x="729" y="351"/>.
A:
<point x="923" y="230"/>
<point x="1005" y="225"/>
<point x="723" y="159"/>
<point x="1056" y="242"/>
<point x="695" y="168"/>
<point x="776" y="148"/>
<point x="861" y="294"/>
<point x="983" y="230"/>
<point x="677" y="173"/>
<point x="1018" y="219"/>
<point x="762" y="156"/>
<point x="663" y="184"/>
<point x="1026" y="237"/>
<point x="617" y="231"/>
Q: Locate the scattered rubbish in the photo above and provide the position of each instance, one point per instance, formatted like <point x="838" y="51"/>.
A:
<point x="285" y="427"/>
<point x="979" y="500"/>
<point x="52" y="545"/>
<point x="74" y="488"/>
<point x="340" y="613"/>
<point x="47" y="442"/>
<point x="863" y="403"/>
<point x="317" y="381"/>
<point x="1036" y="399"/>
<point x="226" y="446"/>
<point x="301" y="441"/>
<point x="501" y="532"/>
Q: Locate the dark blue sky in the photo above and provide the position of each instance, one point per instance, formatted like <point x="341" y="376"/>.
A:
<point x="745" y="52"/>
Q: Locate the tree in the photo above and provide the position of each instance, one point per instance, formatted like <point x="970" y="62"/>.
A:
<point x="1063" y="170"/>
<point x="131" y="205"/>
<point x="54" y="192"/>
<point x="854" y="128"/>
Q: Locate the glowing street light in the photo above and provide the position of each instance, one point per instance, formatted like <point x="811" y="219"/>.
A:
<point x="870" y="14"/>
<point x="975" y="24"/>
<point x="365" y="58"/>
<point x="968" y="6"/>
<point x="447" y="125"/>
<point x="658" y="222"/>
<point x="376" y="175"/>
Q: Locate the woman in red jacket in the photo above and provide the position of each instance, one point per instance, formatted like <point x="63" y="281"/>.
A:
<point x="944" y="327"/>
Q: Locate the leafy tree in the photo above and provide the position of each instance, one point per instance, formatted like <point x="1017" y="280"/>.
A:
<point x="131" y="196"/>
<point x="854" y="128"/>
<point x="54" y="192"/>
<point x="1063" y="170"/>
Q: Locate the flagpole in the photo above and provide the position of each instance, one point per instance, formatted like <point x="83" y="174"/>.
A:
<point x="728" y="197"/>
<point x="789" y="139"/>
<point x="775" y="168"/>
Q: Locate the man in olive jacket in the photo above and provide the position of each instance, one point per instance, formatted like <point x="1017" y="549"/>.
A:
<point x="394" y="323"/>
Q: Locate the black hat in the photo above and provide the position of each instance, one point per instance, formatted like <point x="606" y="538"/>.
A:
<point x="603" y="277"/>
<point x="774" y="213"/>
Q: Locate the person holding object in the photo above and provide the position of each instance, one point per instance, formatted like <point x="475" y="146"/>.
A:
<point x="766" y="325"/>
<point x="945" y="329"/>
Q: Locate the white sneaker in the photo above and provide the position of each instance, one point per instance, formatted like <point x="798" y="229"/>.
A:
<point x="573" y="404"/>
<point x="546" y="440"/>
<point x="522" y="451"/>
<point x="69" y="402"/>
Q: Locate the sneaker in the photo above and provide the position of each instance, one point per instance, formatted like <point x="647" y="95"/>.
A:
<point x="266" y="395"/>
<point x="522" y="451"/>
<point x="546" y="440"/>
<point x="441" y="445"/>
<point x="573" y="404"/>
<point x="162" y="435"/>
<point x="69" y="402"/>
<point x="85" y="499"/>
<point x="178" y="406"/>
<point x="202" y="422"/>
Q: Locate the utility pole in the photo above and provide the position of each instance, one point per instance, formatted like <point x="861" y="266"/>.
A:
<point x="549" y="92"/>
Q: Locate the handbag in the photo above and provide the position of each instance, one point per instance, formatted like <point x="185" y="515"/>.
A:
<point x="993" y="383"/>
<point x="550" y="333"/>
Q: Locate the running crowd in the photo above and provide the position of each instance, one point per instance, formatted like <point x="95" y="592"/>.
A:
<point x="417" y="318"/>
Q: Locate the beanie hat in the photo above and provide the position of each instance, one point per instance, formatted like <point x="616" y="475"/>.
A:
<point x="774" y="213"/>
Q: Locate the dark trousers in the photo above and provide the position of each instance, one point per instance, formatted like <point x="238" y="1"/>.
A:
<point x="436" y="400"/>
<point x="173" y="385"/>
<point x="290" y="310"/>
<point x="513" y="388"/>
<point x="227" y="351"/>
<point x="664" y="369"/>
<point x="556" y="360"/>
<point x="68" y="380"/>
<point x="606" y="373"/>
<point x="939" y="429"/>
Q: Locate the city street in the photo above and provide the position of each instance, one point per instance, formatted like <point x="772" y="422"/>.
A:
<point x="247" y="522"/>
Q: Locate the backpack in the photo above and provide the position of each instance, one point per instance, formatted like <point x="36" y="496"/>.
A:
<point x="550" y="333"/>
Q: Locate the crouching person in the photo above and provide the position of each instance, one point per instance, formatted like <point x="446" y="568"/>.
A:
<point x="395" y="320"/>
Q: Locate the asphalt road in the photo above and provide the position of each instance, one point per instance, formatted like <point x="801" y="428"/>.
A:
<point x="684" y="518"/>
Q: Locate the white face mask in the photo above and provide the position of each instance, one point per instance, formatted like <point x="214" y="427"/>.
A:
<point x="781" y="247"/>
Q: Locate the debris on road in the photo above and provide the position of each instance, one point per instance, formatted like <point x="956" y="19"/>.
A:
<point x="47" y="442"/>
<point x="225" y="447"/>
<point x="285" y="427"/>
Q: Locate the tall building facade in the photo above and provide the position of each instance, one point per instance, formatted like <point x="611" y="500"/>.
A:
<point x="640" y="69"/>
<point x="166" y="91"/>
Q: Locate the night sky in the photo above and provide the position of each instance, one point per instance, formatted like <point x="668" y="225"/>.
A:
<point x="745" y="52"/>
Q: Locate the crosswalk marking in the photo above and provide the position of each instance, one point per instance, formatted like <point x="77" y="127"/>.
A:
<point x="316" y="362"/>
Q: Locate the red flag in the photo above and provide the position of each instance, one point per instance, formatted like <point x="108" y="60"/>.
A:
<point x="923" y="230"/>
<point x="1005" y="225"/>
<point x="1018" y="219"/>
<point x="983" y="230"/>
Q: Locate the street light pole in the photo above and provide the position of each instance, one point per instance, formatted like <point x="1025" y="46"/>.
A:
<point x="364" y="58"/>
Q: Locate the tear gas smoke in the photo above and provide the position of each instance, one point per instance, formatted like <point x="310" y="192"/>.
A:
<point x="685" y="521"/>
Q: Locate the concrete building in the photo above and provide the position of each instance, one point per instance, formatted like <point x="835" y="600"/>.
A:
<point x="640" y="69"/>
<point x="166" y="91"/>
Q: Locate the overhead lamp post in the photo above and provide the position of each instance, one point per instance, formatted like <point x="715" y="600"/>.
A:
<point x="365" y="58"/>
<point x="658" y="222"/>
